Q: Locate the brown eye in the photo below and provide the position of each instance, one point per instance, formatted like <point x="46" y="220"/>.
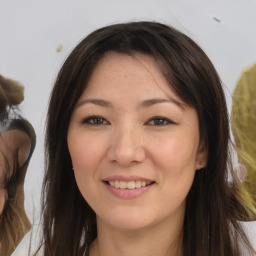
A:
<point x="160" y="121"/>
<point x="95" y="120"/>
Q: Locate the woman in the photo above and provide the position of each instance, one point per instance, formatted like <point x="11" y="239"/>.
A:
<point x="137" y="150"/>
<point x="17" y="143"/>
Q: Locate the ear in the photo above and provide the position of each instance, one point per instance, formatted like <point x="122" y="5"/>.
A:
<point x="201" y="157"/>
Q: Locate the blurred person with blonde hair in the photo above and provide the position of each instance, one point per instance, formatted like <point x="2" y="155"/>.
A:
<point x="243" y="120"/>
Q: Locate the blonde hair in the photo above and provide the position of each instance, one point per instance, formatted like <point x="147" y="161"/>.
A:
<point x="243" y="121"/>
<point x="14" y="223"/>
<point x="12" y="90"/>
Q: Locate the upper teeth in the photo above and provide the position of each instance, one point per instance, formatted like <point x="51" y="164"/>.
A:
<point x="129" y="184"/>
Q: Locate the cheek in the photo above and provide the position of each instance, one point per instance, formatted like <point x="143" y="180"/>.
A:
<point x="175" y="158"/>
<point x="85" y="151"/>
<point x="86" y="155"/>
<point x="174" y="153"/>
<point x="177" y="172"/>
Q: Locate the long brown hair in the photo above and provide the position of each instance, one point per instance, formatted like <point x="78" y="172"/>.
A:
<point x="213" y="206"/>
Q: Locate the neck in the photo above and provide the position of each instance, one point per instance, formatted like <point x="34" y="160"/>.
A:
<point x="159" y="240"/>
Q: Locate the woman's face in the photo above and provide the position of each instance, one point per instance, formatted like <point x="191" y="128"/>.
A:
<point x="134" y="144"/>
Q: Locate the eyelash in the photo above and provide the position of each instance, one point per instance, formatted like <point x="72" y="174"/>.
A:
<point x="99" y="120"/>
<point x="91" y="121"/>
<point x="163" y="121"/>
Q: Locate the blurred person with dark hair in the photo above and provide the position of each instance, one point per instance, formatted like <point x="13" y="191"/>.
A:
<point x="17" y="143"/>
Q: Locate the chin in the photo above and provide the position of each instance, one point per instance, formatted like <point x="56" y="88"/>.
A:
<point x="127" y="221"/>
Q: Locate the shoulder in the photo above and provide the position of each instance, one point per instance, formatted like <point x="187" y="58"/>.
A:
<point x="250" y="230"/>
<point x="29" y="244"/>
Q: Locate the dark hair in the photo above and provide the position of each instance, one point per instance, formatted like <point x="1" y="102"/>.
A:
<point x="213" y="207"/>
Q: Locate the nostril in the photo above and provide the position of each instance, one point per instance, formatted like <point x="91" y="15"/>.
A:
<point x="126" y="155"/>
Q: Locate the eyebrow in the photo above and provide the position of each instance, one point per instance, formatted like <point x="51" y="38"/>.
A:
<point x="99" y="102"/>
<point x="151" y="102"/>
<point x="143" y="104"/>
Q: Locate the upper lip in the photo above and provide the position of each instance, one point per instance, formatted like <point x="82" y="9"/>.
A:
<point x="127" y="178"/>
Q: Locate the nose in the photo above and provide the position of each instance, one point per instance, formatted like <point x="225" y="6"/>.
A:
<point x="127" y="147"/>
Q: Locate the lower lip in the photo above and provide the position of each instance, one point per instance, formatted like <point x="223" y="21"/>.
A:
<point x="128" y="193"/>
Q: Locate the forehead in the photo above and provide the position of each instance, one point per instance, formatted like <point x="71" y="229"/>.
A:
<point x="128" y="75"/>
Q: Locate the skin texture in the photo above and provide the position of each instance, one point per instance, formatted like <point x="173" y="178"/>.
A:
<point x="128" y="140"/>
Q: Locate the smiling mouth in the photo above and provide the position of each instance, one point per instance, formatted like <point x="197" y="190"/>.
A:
<point x="129" y="184"/>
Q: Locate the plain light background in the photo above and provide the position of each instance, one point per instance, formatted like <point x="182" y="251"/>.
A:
<point x="32" y="32"/>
